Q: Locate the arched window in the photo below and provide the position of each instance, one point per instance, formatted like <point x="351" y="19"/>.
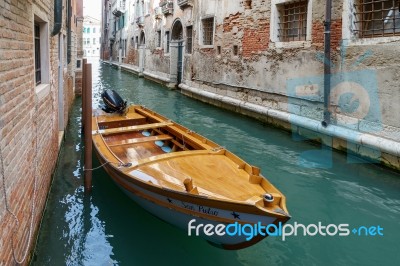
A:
<point x="142" y="38"/>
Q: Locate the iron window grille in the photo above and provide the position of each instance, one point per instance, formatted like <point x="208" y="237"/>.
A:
<point x="189" y="39"/>
<point x="38" y="71"/>
<point x="377" y="18"/>
<point x="293" y="21"/>
<point x="208" y="30"/>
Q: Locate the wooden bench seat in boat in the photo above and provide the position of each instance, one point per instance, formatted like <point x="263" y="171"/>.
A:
<point x="117" y="130"/>
<point x="139" y="140"/>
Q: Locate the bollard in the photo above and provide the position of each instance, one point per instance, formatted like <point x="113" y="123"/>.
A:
<point x="83" y="93"/>
<point x="87" y="114"/>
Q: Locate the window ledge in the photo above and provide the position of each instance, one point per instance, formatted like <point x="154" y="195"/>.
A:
<point x="206" y="46"/>
<point x="292" y="44"/>
<point x="41" y="91"/>
<point x="373" y="41"/>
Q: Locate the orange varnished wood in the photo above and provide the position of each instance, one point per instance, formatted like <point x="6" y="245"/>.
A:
<point x="132" y="128"/>
<point x="138" y="140"/>
<point x="213" y="172"/>
<point x="134" y="152"/>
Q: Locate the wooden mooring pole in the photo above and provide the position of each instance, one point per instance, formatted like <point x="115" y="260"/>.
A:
<point x="87" y="114"/>
<point x="83" y="92"/>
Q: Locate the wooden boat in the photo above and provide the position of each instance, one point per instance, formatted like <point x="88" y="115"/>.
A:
<point x="178" y="175"/>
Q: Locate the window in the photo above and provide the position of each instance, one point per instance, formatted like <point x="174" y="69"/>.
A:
<point x="159" y="38"/>
<point x="142" y="38"/>
<point x="147" y="7"/>
<point x="88" y="40"/>
<point x="137" y="41"/>
<point x="378" y="18"/>
<point x="189" y="39"/>
<point x="94" y="40"/>
<point x="218" y="49"/>
<point x="88" y="30"/>
<point x="208" y="31"/>
<point x="167" y="42"/>
<point x="235" y="50"/>
<point x="123" y="48"/>
<point x="94" y="30"/>
<point x="41" y="53"/>
<point x="293" y="21"/>
<point x="38" y="71"/>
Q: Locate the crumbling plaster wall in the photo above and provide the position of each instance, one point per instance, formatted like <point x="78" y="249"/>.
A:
<point x="260" y="72"/>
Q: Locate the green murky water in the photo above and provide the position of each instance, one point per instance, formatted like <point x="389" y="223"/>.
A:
<point x="108" y="228"/>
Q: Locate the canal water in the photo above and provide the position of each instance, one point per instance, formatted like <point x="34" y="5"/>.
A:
<point x="107" y="228"/>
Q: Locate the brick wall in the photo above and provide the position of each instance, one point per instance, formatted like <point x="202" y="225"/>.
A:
<point x="256" y="40"/>
<point x="318" y="34"/>
<point x="255" y="37"/>
<point x="28" y="123"/>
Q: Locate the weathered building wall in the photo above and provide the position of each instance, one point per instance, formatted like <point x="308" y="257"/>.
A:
<point x="249" y="62"/>
<point x="29" y="129"/>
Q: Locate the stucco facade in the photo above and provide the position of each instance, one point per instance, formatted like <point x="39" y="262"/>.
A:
<point x="91" y="37"/>
<point x="253" y="62"/>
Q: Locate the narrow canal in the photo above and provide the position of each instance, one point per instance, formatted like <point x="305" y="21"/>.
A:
<point x="107" y="228"/>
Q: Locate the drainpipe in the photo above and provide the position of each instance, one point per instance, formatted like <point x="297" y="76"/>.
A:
<point x="69" y="15"/>
<point x="57" y="17"/>
<point x="327" y="63"/>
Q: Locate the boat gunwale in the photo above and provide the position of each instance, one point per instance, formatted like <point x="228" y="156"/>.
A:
<point x="227" y="204"/>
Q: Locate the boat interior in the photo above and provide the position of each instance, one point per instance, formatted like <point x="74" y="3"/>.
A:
<point x="149" y="138"/>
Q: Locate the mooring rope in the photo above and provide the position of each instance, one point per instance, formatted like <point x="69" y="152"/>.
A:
<point x="119" y="164"/>
<point x="25" y="253"/>
<point x="93" y="169"/>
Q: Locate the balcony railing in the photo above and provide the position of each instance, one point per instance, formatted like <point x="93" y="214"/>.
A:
<point x="167" y="6"/>
<point x="140" y="21"/>
<point x="184" y="3"/>
<point x="119" y="8"/>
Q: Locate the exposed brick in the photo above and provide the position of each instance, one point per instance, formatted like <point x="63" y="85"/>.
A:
<point x="256" y="40"/>
<point x="21" y="127"/>
<point x="318" y="34"/>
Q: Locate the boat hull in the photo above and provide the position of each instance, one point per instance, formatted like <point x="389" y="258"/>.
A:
<point x="180" y="213"/>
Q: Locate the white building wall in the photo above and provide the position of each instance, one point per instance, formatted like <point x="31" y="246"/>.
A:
<point x="91" y="37"/>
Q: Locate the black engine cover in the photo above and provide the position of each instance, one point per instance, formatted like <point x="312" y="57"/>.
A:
<point x="113" y="103"/>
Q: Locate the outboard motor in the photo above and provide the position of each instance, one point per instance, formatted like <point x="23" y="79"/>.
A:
<point x="113" y="103"/>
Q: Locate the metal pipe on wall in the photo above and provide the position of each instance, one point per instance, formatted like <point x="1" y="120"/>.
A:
<point x="69" y="15"/>
<point x="57" y="17"/>
<point x="327" y="63"/>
